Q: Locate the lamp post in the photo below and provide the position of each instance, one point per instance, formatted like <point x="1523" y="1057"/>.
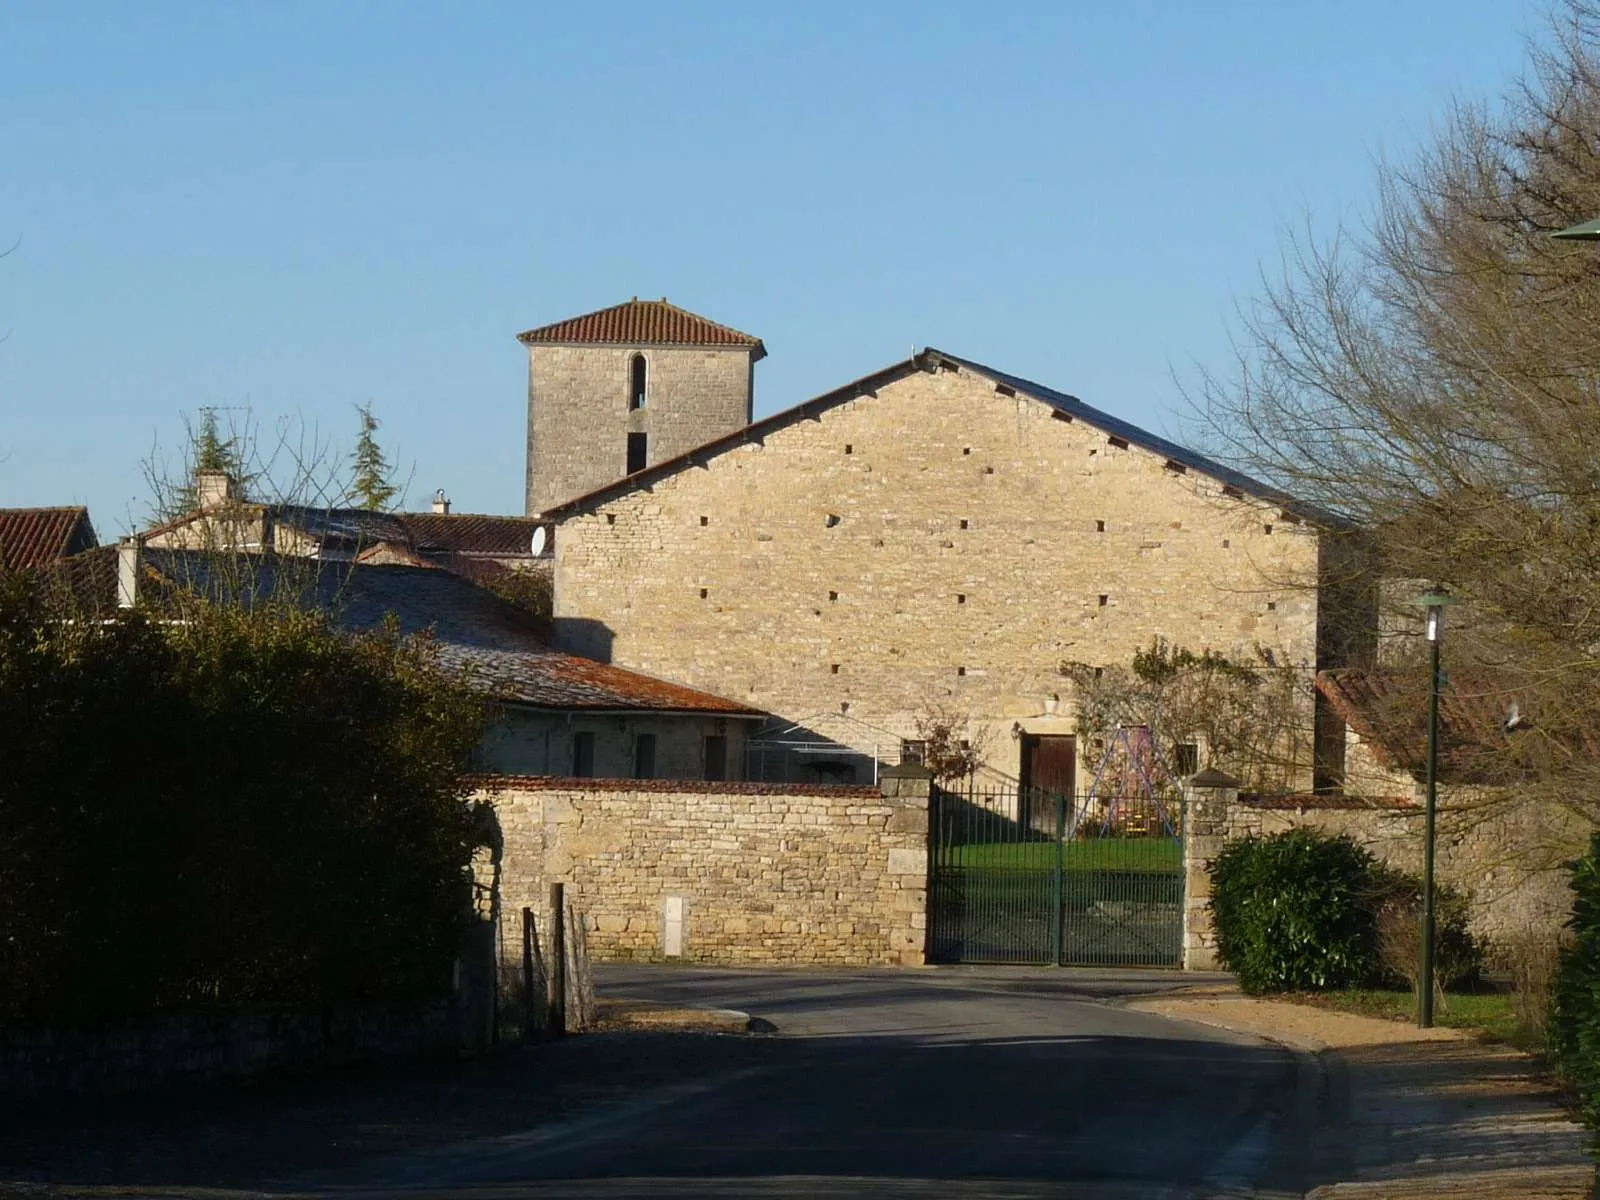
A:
<point x="1434" y="602"/>
<point x="1589" y="231"/>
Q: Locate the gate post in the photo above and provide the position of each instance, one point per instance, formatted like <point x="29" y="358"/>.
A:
<point x="1207" y="800"/>
<point x="906" y="790"/>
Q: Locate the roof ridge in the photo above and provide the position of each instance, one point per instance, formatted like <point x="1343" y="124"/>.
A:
<point x="641" y="322"/>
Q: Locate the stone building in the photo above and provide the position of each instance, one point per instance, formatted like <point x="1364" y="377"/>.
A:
<point x="942" y="534"/>
<point x="615" y="391"/>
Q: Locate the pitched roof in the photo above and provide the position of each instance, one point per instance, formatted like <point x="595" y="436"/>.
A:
<point x="471" y="533"/>
<point x="1389" y="710"/>
<point x="482" y="638"/>
<point x="36" y="537"/>
<point x="931" y="359"/>
<point x="641" y="323"/>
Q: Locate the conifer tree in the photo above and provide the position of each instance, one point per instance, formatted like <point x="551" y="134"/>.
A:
<point x="372" y="484"/>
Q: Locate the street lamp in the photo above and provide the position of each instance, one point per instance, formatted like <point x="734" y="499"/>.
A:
<point x="1589" y="231"/>
<point x="1434" y="602"/>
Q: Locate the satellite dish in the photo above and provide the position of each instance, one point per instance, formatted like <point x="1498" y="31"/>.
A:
<point x="540" y="536"/>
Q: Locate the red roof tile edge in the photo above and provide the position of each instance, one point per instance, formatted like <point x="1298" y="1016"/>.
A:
<point x="1327" y="803"/>
<point x="557" y="783"/>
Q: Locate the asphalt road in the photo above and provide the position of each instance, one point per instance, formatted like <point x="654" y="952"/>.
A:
<point x="883" y="1083"/>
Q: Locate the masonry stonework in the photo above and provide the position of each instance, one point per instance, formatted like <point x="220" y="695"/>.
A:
<point x="939" y="541"/>
<point x="524" y="741"/>
<point x="579" y="416"/>
<point x="765" y="873"/>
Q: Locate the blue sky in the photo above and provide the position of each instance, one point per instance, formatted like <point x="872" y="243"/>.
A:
<point x="301" y="207"/>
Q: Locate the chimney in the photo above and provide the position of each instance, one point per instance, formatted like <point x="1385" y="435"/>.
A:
<point x="213" y="487"/>
<point x="441" y="502"/>
<point x="129" y="553"/>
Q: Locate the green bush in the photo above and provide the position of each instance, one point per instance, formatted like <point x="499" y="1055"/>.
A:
<point x="239" y="808"/>
<point x="1574" y="1028"/>
<point x="1293" y="911"/>
<point x="1396" y="901"/>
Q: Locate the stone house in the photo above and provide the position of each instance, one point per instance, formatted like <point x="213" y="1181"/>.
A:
<point x="31" y="538"/>
<point x="944" y="535"/>
<point x="557" y="714"/>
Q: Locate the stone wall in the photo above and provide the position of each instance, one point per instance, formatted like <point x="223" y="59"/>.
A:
<point x="183" y="1049"/>
<point x="934" y="542"/>
<point x="1509" y="859"/>
<point x="579" y="418"/>
<point x="726" y="873"/>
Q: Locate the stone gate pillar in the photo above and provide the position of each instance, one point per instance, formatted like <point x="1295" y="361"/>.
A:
<point x="906" y="789"/>
<point x="1207" y="801"/>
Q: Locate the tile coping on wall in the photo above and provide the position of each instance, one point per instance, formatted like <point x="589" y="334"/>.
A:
<point x="537" y="783"/>
<point x="1311" y="800"/>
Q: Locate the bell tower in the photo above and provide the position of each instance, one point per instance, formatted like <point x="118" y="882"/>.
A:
<point x="619" y="390"/>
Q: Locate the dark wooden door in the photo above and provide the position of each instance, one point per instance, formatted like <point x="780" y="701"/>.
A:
<point x="1049" y="766"/>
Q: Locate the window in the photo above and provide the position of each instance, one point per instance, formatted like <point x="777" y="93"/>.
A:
<point x="644" y="756"/>
<point x="913" y="751"/>
<point x="1185" y="759"/>
<point x="637" y="447"/>
<point x="716" y="756"/>
<point x="583" y="755"/>
<point x="637" y="371"/>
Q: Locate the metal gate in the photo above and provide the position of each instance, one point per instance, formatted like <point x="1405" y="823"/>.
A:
<point x="1019" y="876"/>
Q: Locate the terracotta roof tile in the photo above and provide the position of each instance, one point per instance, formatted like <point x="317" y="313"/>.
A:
<point x="641" y="322"/>
<point x="552" y="783"/>
<point x="36" y="537"/>
<point x="471" y="533"/>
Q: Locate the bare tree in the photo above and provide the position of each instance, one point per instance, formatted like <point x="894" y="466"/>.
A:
<point x="1435" y="378"/>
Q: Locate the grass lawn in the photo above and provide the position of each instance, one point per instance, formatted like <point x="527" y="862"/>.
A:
<point x="1161" y="855"/>
<point x="1491" y="1013"/>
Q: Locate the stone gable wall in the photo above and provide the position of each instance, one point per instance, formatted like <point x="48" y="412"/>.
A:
<point x="937" y="542"/>
<point x="765" y="873"/>
<point x="578" y="415"/>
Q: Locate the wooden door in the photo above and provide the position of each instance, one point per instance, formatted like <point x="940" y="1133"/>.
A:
<point x="1049" y="768"/>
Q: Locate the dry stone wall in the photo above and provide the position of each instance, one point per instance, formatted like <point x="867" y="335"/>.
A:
<point x="936" y="542"/>
<point x="729" y="873"/>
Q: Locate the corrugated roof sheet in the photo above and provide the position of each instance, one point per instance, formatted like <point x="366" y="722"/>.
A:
<point x="483" y="638"/>
<point x="641" y="323"/>
<point x="36" y="537"/>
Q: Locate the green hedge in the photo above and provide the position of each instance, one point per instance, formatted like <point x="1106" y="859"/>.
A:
<point x="1292" y="911"/>
<point x="235" y="809"/>
<point x="1575" y="1009"/>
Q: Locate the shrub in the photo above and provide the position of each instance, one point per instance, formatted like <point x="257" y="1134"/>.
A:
<point x="1575" y="1012"/>
<point x="1293" y="911"/>
<point x="240" y="808"/>
<point x="1396" y="901"/>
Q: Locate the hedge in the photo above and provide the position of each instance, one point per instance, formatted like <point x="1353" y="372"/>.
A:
<point x="238" y="808"/>
<point x="1575" y="1007"/>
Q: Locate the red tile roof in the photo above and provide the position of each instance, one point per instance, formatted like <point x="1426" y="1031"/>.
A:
<point x="1389" y="709"/>
<point x="721" y="787"/>
<point x="641" y="322"/>
<point x="471" y="533"/>
<point x="36" y="537"/>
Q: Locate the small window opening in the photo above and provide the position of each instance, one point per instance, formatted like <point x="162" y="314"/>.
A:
<point x="638" y="444"/>
<point x="961" y="670"/>
<point x="1272" y="606"/>
<point x="1226" y="542"/>
<point x="637" y="372"/>
<point x="833" y="670"/>
<point x="704" y="592"/>
<point x="1119" y="443"/>
<point x="1099" y="526"/>
<point x="988" y="470"/>
<point x="913" y="751"/>
<point x="1099" y="671"/>
<point x="644" y="756"/>
<point x="1185" y="759"/>
<point x="1104" y="600"/>
<point x="1229" y="490"/>
<point x="611" y="518"/>
<point x="705" y="520"/>
<point x="833" y="595"/>
<point x="583" y="755"/>
<point x="961" y="598"/>
<point x="716" y="756"/>
<point x="1268" y="528"/>
<point x="831" y="521"/>
<point x="966" y="449"/>
<point x="963" y="522"/>
<point x="1176" y="467"/>
<point x="849" y="449"/>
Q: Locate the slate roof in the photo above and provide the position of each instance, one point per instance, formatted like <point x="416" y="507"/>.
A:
<point x="931" y="359"/>
<point x="641" y="323"/>
<point x="36" y="537"/>
<point x="485" y="639"/>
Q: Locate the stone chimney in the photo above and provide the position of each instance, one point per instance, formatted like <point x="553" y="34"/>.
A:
<point x="441" y="502"/>
<point x="213" y="487"/>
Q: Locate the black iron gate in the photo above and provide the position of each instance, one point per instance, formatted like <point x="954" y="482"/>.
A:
<point x="1029" y="877"/>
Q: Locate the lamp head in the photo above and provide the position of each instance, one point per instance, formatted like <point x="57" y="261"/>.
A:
<point x="1435" y="601"/>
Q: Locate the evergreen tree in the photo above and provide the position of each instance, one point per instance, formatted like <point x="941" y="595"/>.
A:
<point x="372" y="485"/>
